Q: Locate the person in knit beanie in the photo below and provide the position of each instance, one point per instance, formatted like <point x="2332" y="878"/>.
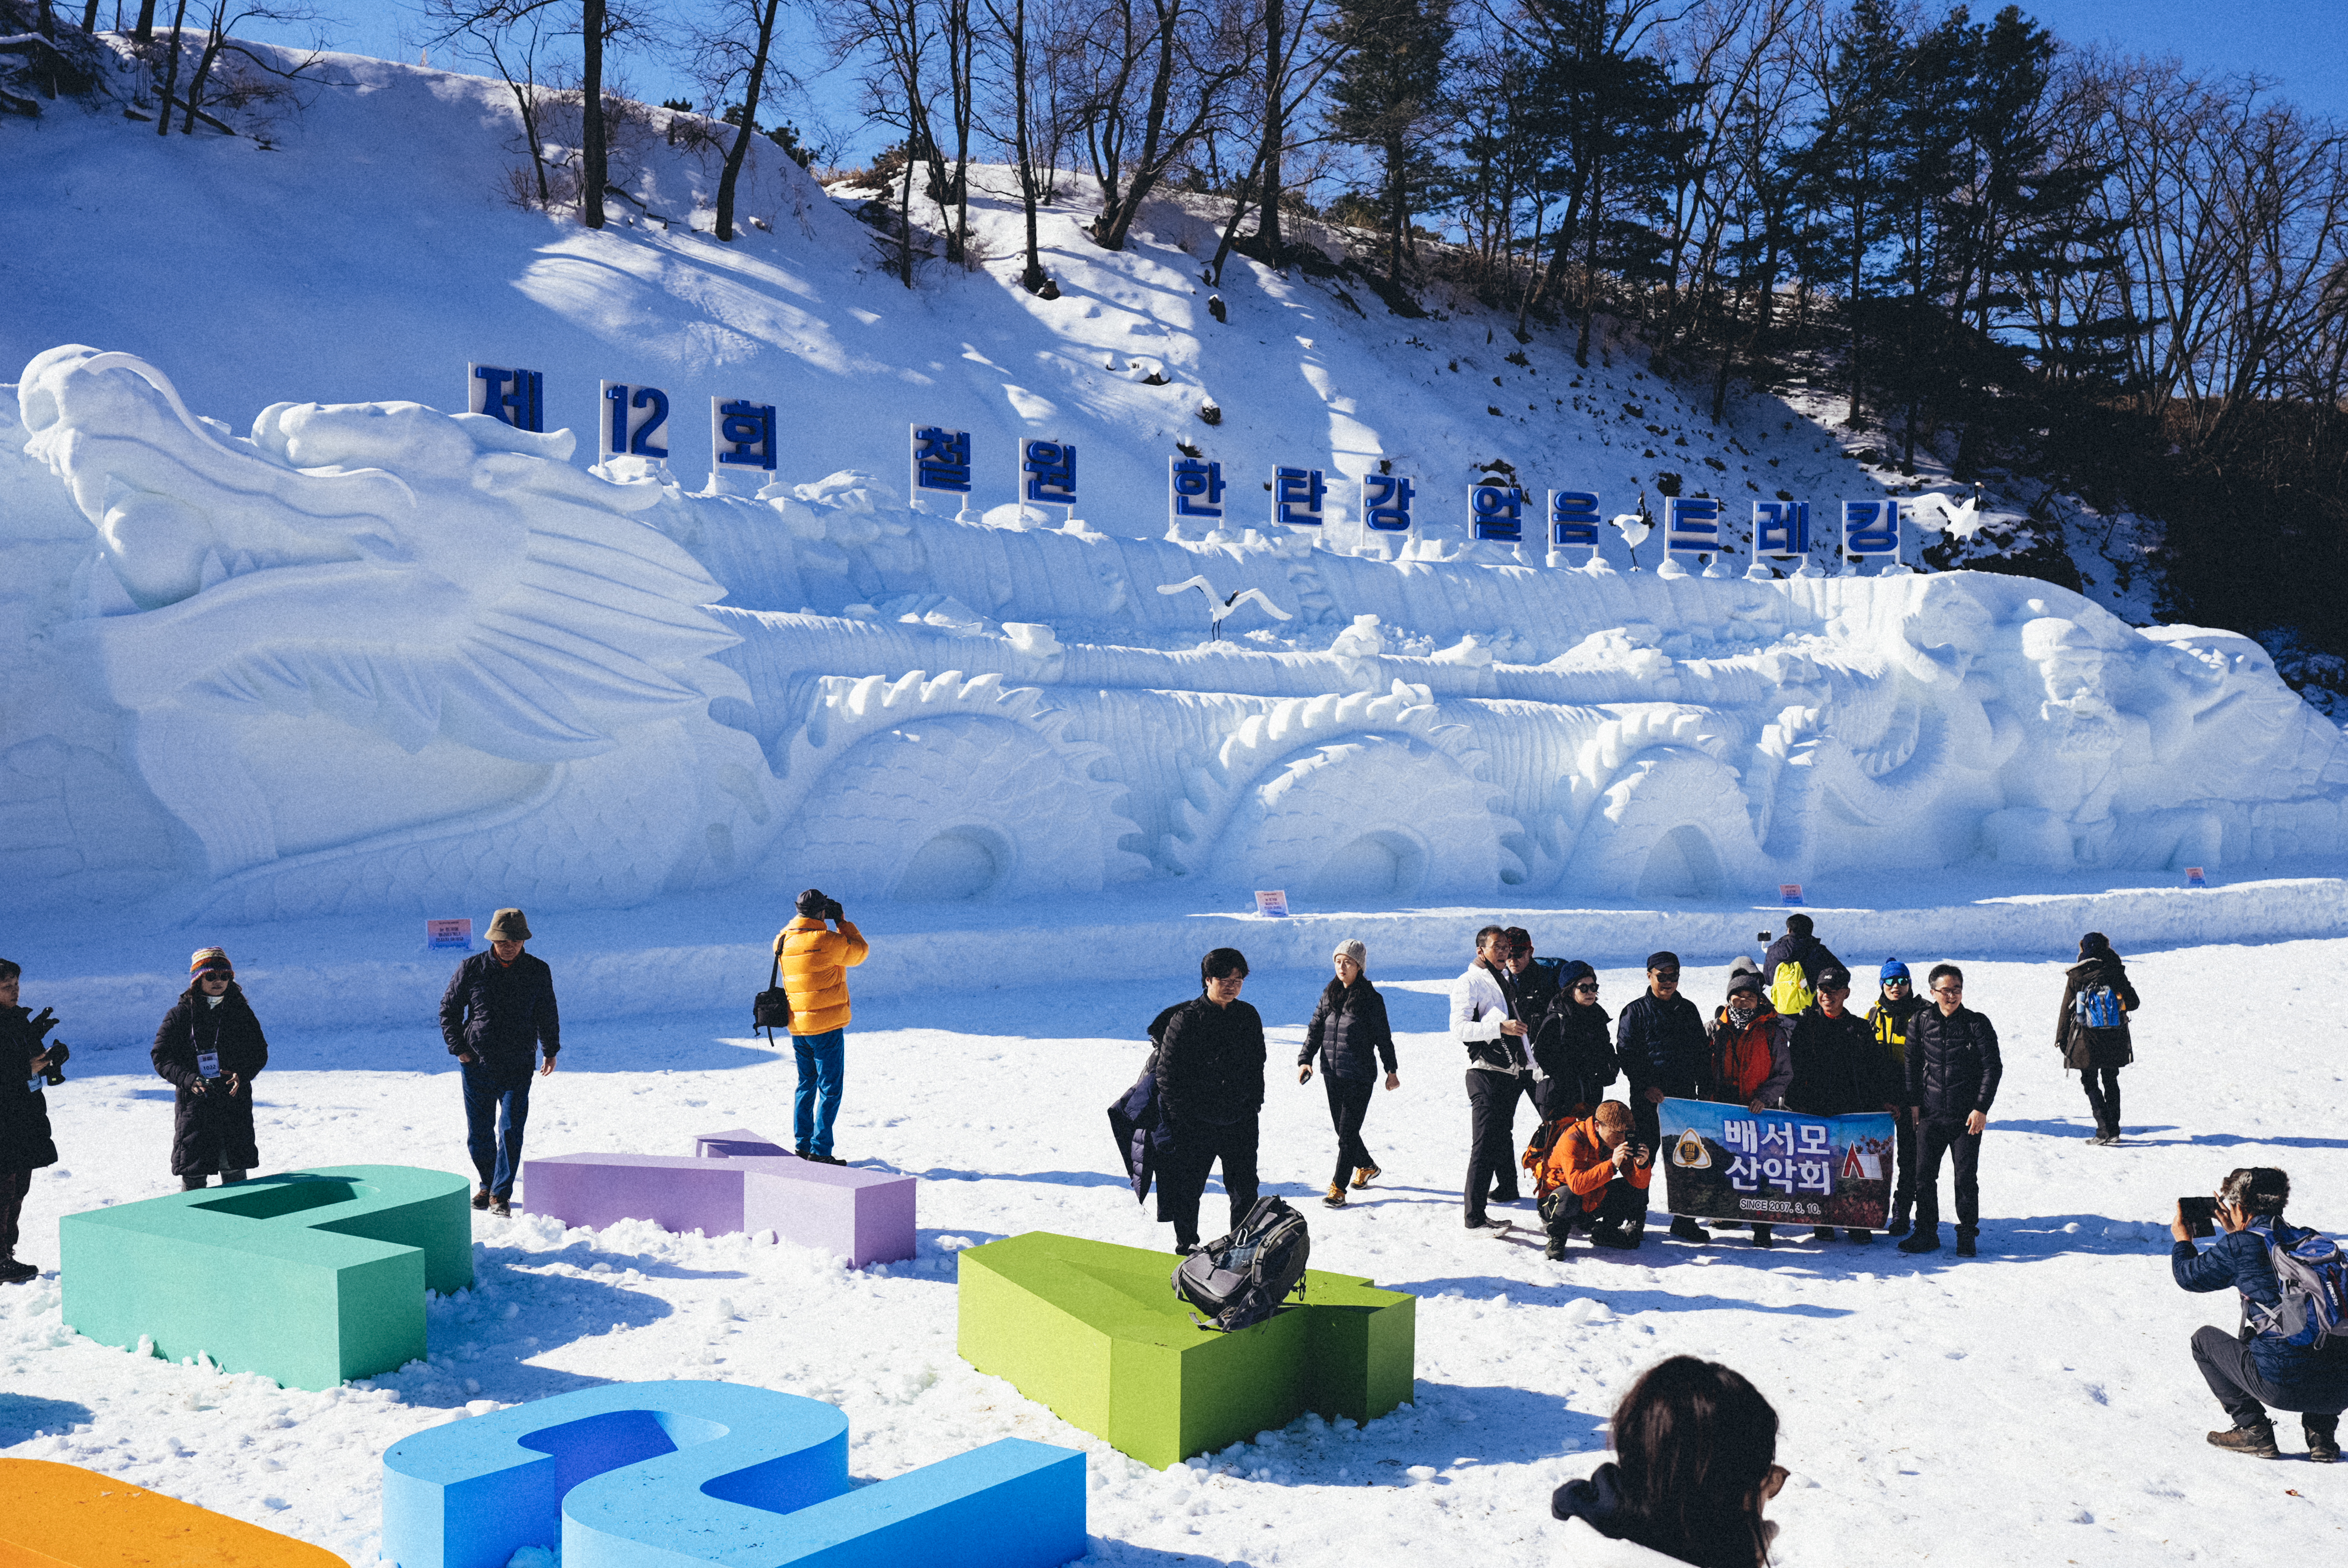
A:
<point x="209" y="1048"/>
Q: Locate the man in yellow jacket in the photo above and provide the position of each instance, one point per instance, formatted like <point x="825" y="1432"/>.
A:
<point x="815" y="961"/>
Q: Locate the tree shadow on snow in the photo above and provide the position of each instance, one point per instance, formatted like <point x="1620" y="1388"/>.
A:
<point x="24" y="1416"/>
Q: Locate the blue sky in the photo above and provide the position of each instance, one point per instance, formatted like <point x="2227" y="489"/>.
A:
<point x="2303" y="44"/>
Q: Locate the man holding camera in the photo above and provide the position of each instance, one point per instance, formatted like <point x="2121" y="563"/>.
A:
<point x="815" y="960"/>
<point x="1595" y="1178"/>
<point x="2290" y="1281"/>
<point x="24" y="1142"/>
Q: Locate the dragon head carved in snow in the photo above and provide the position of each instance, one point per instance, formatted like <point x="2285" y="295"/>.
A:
<point x="417" y="574"/>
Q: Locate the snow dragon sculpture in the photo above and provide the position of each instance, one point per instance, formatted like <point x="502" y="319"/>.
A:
<point x="374" y="656"/>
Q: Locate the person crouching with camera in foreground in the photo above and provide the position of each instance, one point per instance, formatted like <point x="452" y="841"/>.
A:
<point x="815" y="960"/>
<point x="2290" y="1280"/>
<point x="24" y="1142"/>
<point x="1595" y="1178"/>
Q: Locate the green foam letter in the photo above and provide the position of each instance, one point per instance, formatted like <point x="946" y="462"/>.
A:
<point x="311" y="1277"/>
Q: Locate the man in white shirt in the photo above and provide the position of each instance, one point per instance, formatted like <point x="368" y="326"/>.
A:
<point x="1498" y="1072"/>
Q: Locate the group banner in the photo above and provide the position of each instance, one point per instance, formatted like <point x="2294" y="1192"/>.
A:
<point x="1726" y="1162"/>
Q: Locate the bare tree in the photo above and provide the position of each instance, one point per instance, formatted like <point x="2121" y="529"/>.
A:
<point x="1138" y="122"/>
<point x="1030" y="160"/>
<point x="511" y="35"/>
<point x="737" y="49"/>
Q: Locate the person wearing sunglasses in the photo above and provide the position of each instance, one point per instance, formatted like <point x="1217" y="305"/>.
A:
<point x="1953" y="1070"/>
<point x="1889" y="1017"/>
<point x="1573" y="1050"/>
<point x="1838" y="1068"/>
<point x="1661" y="1043"/>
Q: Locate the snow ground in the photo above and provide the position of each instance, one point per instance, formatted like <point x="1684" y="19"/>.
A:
<point x="2038" y="1405"/>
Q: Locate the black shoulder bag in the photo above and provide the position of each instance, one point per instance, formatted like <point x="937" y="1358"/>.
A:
<point x="771" y="1008"/>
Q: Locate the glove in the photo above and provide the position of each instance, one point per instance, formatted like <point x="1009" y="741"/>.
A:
<point x="42" y="1024"/>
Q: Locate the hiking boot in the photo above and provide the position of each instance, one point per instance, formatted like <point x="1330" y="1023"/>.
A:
<point x="1761" y="1237"/>
<point x="1623" y="1238"/>
<point x="2256" y="1442"/>
<point x="1863" y="1238"/>
<point x="801" y="1151"/>
<point x="827" y="1159"/>
<point x="1336" y="1198"/>
<point x="481" y="1197"/>
<point x="1826" y="1233"/>
<point x="501" y="1209"/>
<point x="1365" y="1175"/>
<point x="1555" y="1252"/>
<point x="1899" y="1225"/>
<point x="2322" y="1447"/>
<point x="15" y="1271"/>
<point x="1922" y="1241"/>
<point x="1965" y="1247"/>
<point x="1685" y="1229"/>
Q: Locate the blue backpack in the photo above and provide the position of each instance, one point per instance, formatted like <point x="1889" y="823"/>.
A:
<point x="2098" y="1006"/>
<point x="2313" y="1312"/>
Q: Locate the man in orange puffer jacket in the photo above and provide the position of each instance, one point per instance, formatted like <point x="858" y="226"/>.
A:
<point x="1596" y="1178"/>
<point x="815" y="961"/>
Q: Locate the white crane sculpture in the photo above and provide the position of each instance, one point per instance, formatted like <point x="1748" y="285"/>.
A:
<point x="1219" y="608"/>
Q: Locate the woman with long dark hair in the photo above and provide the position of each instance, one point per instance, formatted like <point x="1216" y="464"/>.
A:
<point x="1695" y="1461"/>
<point x="2092" y="1028"/>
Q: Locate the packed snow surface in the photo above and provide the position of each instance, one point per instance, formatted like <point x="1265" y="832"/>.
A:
<point x="2036" y="1405"/>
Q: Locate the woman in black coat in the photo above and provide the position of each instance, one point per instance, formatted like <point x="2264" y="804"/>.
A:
<point x="2097" y="1053"/>
<point x="1350" y="1034"/>
<point x="25" y="1145"/>
<point x="1572" y="1050"/>
<point x="209" y="1048"/>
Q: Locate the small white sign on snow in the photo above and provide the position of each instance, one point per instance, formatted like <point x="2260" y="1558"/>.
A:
<point x="448" y="935"/>
<point x="2194" y="877"/>
<point x="1273" y="905"/>
<point x="1789" y="895"/>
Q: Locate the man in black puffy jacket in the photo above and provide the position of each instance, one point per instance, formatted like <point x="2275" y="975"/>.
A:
<point x="496" y="1016"/>
<point x="1953" y="1074"/>
<point x="1661" y="1042"/>
<point x="1210" y="1088"/>
<point x="1838" y="1068"/>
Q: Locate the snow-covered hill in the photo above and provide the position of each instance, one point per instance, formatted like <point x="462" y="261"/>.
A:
<point x="368" y="248"/>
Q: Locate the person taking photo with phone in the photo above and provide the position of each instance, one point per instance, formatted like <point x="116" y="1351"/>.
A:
<point x="2291" y="1349"/>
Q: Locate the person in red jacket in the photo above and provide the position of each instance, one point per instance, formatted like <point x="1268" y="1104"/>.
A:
<point x="1595" y="1177"/>
<point x="1751" y="1059"/>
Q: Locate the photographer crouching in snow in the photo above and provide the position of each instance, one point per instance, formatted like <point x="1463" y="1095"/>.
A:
<point x="2292" y="1350"/>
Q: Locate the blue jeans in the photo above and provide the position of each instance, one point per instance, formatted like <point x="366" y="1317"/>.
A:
<point x="497" y="1105"/>
<point x="821" y="1059"/>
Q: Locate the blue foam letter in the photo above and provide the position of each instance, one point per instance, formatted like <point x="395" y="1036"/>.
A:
<point x="687" y="1474"/>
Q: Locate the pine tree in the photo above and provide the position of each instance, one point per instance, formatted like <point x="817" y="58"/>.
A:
<point x="1387" y="88"/>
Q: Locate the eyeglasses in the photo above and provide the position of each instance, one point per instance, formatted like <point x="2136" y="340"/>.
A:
<point x="1902" y="982"/>
<point x="1664" y="974"/>
<point x="1586" y="985"/>
<point x="1948" y="991"/>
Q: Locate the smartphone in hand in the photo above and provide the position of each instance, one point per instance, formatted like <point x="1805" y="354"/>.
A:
<point x="2200" y="1215"/>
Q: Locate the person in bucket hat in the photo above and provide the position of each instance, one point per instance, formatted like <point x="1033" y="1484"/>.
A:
<point x="498" y="1017"/>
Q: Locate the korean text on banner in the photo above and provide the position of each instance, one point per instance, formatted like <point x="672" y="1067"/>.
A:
<point x="1726" y="1162"/>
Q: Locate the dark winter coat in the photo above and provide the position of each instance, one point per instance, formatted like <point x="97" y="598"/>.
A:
<point x="1797" y="948"/>
<point x="1600" y="1503"/>
<point x="2240" y="1260"/>
<point x="1531" y="994"/>
<point x="1573" y="1047"/>
<point x="211" y="1126"/>
<point x="1954" y="1066"/>
<point x="1210" y="1064"/>
<point x="25" y="1141"/>
<point x="1890" y="1020"/>
<point x="2082" y="1046"/>
<point x="1350" y="1033"/>
<point x="1840" y="1069"/>
<point x="502" y="1014"/>
<point x="1138" y="1120"/>
<point x="1661" y="1044"/>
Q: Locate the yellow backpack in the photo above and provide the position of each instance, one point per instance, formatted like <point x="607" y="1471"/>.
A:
<point x="1790" y="991"/>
